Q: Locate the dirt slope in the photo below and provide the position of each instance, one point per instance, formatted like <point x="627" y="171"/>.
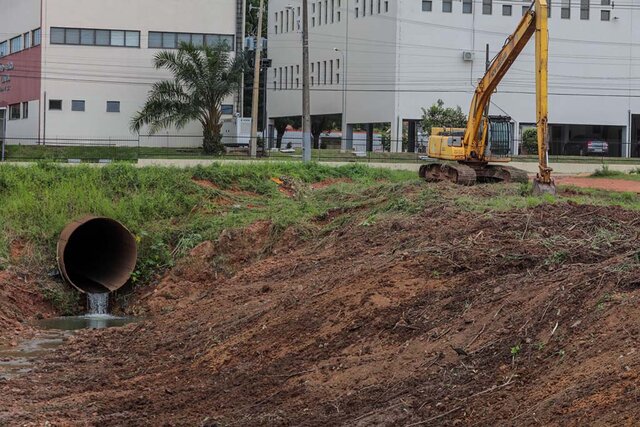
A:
<point x="445" y="318"/>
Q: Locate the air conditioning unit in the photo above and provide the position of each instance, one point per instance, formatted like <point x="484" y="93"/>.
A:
<point x="467" y="56"/>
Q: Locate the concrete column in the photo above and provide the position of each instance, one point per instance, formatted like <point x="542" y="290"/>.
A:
<point x="626" y="142"/>
<point x="413" y="134"/>
<point x="349" y="138"/>
<point x="396" y="135"/>
<point x="369" y="137"/>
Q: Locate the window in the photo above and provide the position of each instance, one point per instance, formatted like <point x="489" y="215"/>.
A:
<point x="319" y="13"/>
<point x="197" y="39"/>
<point x="14" y="112"/>
<point x="447" y="6"/>
<point x="72" y="36"/>
<point x="605" y="15"/>
<point x="103" y="38"/>
<point x="506" y="10"/>
<point x="337" y="78"/>
<point x="113" y="106"/>
<point x="280" y="80"/>
<point x="158" y="40"/>
<point x="525" y="10"/>
<point x="331" y="72"/>
<point x="55" y="105"/>
<point x="226" y="109"/>
<point x="4" y="49"/>
<point x="36" y="37"/>
<point x="155" y="39"/>
<point x="291" y="81"/>
<point x="357" y="12"/>
<point x="16" y="44"/>
<point x="297" y="83"/>
<point x="549" y="8"/>
<point x="584" y="9"/>
<point x="77" y="105"/>
<point x="57" y="35"/>
<point x="91" y="37"/>
<point x="326" y="11"/>
<point x="467" y="6"/>
<point x="25" y="110"/>
<point x="325" y="72"/>
<point x="427" y="5"/>
<point x="87" y="37"/>
<point x="565" y="9"/>
<point x="386" y="6"/>
<point x="27" y="40"/>
<point x="487" y="6"/>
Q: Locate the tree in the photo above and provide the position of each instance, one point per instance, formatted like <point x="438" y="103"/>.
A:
<point x="439" y="116"/>
<point x="320" y="124"/>
<point x="203" y="77"/>
<point x="530" y="141"/>
<point x="281" y="124"/>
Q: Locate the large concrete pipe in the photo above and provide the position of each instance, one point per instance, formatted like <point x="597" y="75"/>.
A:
<point x="96" y="254"/>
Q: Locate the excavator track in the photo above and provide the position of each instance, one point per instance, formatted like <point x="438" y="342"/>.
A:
<point x="464" y="174"/>
<point x="457" y="173"/>
<point x="500" y="173"/>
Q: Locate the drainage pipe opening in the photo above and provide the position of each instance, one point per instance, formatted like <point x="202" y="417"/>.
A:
<point x="96" y="254"/>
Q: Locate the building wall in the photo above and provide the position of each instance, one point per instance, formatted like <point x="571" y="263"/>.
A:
<point x="408" y="58"/>
<point x="21" y="83"/>
<point x="100" y="74"/>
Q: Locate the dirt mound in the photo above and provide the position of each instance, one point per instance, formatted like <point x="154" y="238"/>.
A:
<point x="444" y="318"/>
<point x="19" y="300"/>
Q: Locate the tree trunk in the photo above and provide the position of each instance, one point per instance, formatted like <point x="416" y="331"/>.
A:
<point x="212" y="143"/>
<point x="279" y="140"/>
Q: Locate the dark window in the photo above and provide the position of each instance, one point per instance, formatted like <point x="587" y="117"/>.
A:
<point x="565" y="10"/>
<point x="427" y="5"/>
<point x="35" y="38"/>
<point x="4" y="49"/>
<point x="55" y="104"/>
<point x="467" y="6"/>
<point x="506" y="10"/>
<point x="91" y="37"/>
<point x="525" y="9"/>
<point x="113" y="106"/>
<point x="487" y="6"/>
<point x="226" y="108"/>
<point x="584" y="9"/>
<point x="14" y="112"/>
<point x="25" y="110"/>
<point x="447" y="6"/>
<point x="605" y="15"/>
<point x="155" y="40"/>
<point x="77" y="105"/>
<point x="16" y="44"/>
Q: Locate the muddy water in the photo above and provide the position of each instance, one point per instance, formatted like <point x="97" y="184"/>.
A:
<point x="51" y="335"/>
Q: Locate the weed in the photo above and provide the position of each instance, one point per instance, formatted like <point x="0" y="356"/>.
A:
<point x="605" y="171"/>
<point x="558" y="257"/>
<point x="65" y="301"/>
<point x="540" y="346"/>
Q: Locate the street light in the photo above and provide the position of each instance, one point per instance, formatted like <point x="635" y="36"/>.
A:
<point x="343" y="146"/>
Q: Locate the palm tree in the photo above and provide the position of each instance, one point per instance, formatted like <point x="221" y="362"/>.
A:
<point x="203" y="77"/>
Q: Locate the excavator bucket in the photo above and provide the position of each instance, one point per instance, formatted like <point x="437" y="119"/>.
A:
<point x="540" y="188"/>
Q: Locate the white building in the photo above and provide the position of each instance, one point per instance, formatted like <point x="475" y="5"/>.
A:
<point x="399" y="56"/>
<point x="78" y="70"/>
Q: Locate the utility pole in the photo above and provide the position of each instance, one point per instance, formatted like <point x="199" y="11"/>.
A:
<point x="343" y="144"/>
<point x="257" y="66"/>
<point x="306" y="98"/>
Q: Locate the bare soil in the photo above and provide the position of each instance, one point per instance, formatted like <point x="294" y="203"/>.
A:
<point x="600" y="183"/>
<point x="528" y="317"/>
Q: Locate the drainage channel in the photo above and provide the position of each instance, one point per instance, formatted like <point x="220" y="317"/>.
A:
<point x="53" y="333"/>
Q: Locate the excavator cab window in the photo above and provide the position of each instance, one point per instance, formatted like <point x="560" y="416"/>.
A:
<point x="500" y="135"/>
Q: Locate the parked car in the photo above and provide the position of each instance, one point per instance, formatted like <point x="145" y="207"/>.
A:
<point x="584" y="146"/>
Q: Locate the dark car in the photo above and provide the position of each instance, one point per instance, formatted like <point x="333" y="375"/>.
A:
<point x="584" y="146"/>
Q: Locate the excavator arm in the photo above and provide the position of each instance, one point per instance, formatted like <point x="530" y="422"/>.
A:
<point x="476" y="134"/>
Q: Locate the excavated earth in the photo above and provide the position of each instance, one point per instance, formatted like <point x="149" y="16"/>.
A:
<point x="448" y="317"/>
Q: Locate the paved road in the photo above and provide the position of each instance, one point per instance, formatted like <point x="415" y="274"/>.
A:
<point x="531" y="168"/>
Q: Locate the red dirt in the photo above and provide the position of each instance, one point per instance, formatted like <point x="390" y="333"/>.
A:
<point x="600" y="183"/>
<point x="527" y="317"/>
<point x="19" y="301"/>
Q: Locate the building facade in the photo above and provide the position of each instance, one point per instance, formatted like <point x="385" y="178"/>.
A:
<point x="80" y="69"/>
<point x="397" y="57"/>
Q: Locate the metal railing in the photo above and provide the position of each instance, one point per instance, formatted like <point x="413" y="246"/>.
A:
<point x="106" y="150"/>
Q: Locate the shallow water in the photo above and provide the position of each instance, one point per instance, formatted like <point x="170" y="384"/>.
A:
<point x="53" y="334"/>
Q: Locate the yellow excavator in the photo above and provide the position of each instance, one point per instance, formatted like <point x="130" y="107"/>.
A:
<point x="468" y="153"/>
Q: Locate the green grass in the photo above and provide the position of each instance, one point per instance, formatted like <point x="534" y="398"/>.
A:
<point x="170" y="213"/>
<point x="606" y="172"/>
<point x="120" y="153"/>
